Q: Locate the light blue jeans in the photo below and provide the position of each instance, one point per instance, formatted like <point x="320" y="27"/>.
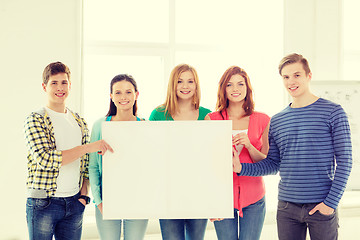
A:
<point x="250" y="225"/>
<point x="111" y="229"/>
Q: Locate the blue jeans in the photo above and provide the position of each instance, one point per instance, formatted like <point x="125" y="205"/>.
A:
<point x="181" y="229"/>
<point x="250" y="225"/>
<point x="59" y="217"/>
<point x="293" y="220"/>
<point x="111" y="229"/>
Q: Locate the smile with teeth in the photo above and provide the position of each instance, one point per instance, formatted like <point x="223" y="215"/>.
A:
<point x="185" y="92"/>
<point x="60" y="94"/>
<point x="293" y="88"/>
<point x="123" y="103"/>
<point x="235" y="94"/>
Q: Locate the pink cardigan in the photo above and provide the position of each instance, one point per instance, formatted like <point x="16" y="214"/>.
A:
<point x="248" y="190"/>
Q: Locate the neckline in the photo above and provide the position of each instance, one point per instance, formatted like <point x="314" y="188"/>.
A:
<point x="171" y="118"/>
<point x="300" y="108"/>
<point x="250" y="119"/>
<point x="108" y="118"/>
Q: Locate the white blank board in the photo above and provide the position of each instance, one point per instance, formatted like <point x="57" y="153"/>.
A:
<point x="168" y="170"/>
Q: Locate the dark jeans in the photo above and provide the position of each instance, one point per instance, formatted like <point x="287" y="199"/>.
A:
<point x="59" y="217"/>
<point x="294" y="219"/>
<point x="181" y="229"/>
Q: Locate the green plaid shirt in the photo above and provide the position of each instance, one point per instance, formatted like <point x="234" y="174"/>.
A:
<point x="44" y="161"/>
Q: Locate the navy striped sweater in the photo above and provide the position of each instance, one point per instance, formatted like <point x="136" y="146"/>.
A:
<point x="311" y="148"/>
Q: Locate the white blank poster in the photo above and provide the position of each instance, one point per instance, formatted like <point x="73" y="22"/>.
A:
<point x="168" y="169"/>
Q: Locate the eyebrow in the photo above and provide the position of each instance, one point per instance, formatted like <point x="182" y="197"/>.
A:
<point x="117" y="90"/>
<point x="236" y="81"/>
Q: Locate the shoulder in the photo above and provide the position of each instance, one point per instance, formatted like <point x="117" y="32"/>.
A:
<point x="158" y="113"/>
<point x="215" y="116"/>
<point x="36" y="116"/>
<point x="81" y="121"/>
<point x="96" y="129"/>
<point x="260" y="115"/>
<point x="98" y="122"/>
<point x="204" y="110"/>
<point x="325" y="104"/>
<point x="281" y="115"/>
<point x="77" y="115"/>
<point x="259" y="119"/>
<point x="335" y="112"/>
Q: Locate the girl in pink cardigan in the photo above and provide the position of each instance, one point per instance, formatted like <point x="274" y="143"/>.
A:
<point x="250" y="144"/>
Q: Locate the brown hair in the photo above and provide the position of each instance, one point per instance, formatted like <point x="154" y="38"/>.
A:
<point x="53" y="69"/>
<point x="171" y="103"/>
<point x="294" y="58"/>
<point x="223" y="102"/>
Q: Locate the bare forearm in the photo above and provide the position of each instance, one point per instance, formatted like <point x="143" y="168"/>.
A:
<point x="70" y="155"/>
<point x="255" y="154"/>
<point x="85" y="187"/>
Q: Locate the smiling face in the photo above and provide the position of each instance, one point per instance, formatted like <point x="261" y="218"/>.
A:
<point x="186" y="86"/>
<point x="124" y="95"/>
<point x="236" y="89"/>
<point x="57" y="90"/>
<point x="295" y="79"/>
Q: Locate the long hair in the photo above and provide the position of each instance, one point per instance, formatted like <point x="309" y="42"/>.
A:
<point x="121" y="77"/>
<point x="171" y="103"/>
<point x="222" y="100"/>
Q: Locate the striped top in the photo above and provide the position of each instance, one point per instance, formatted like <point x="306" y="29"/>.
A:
<point x="311" y="147"/>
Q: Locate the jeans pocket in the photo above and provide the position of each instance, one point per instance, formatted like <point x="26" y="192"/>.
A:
<point x="326" y="215"/>
<point x="30" y="202"/>
<point x="282" y="205"/>
<point x="42" y="203"/>
<point x="81" y="206"/>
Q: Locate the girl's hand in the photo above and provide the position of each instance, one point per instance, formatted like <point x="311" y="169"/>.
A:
<point x="216" y="219"/>
<point x="100" y="208"/>
<point x="241" y="138"/>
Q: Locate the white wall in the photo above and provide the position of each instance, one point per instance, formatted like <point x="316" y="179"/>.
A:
<point x="35" y="33"/>
<point x="32" y="34"/>
<point x="313" y="29"/>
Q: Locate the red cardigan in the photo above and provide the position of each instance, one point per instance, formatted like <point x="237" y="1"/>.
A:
<point x="248" y="190"/>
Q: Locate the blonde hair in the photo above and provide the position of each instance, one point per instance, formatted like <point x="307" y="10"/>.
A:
<point x="171" y="103"/>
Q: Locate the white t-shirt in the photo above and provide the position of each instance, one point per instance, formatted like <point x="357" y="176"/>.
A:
<point x="67" y="135"/>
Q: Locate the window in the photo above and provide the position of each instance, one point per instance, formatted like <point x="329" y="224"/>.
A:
<point x="351" y="45"/>
<point x="148" y="38"/>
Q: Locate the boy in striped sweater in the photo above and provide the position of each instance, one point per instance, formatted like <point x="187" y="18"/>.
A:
<point x="310" y="146"/>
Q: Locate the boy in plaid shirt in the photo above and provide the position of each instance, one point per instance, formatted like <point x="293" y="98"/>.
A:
<point x="57" y="140"/>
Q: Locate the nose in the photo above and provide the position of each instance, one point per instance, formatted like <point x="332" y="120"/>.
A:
<point x="235" y="88"/>
<point x="291" y="80"/>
